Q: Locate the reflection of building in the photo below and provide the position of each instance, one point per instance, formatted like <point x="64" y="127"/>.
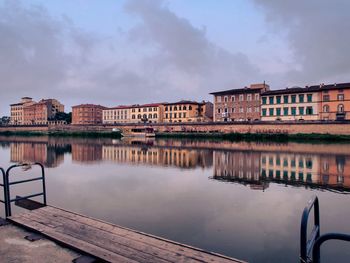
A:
<point x="238" y="166"/>
<point x="290" y="167"/>
<point x="156" y="156"/>
<point x="188" y="111"/>
<point x="86" y="152"/>
<point x="87" y="114"/>
<point x="259" y="168"/>
<point x="238" y="104"/>
<point x="335" y="170"/>
<point x="35" y="152"/>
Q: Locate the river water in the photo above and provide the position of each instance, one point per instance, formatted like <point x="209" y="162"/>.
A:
<point x="241" y="199"/>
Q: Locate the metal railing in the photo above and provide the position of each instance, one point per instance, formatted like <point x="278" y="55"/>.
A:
<point x="310" y="248"/>
<point x="8" y="184"/>
<point x="3" y="185"/>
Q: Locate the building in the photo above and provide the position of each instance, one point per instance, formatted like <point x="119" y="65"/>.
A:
<point x="17" y="115"/>
<point x="42" y="112"/>
<point x="238" y="104"/>
<point x="119" y="114"/>
<point x="188" y="111"/>
<point x="147" y="113"/>
<point x="334" y="101"/>
<point x="290" y="104"/>
<point x="87" y="114"/>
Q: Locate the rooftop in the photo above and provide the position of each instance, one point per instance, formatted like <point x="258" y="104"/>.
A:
<point x="254" y="88"/>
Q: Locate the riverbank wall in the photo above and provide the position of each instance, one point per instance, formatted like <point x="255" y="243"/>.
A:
<point x="315" y="127"/>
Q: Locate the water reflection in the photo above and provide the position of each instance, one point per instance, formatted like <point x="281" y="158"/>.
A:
<point x="227" y="197"/>
<point x="252" y="164"/>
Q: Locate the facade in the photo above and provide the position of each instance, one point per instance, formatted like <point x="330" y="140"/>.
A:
<point x="238" y="104"/>
<point x="146" y="113"/>
<point x="334" y="101"/>
<point x="120" y="114"/>
<point x="17" y="115"/>
<point x="87" y="114"/>
<point x="187" y="111"/>
<point x="290" y="104"/>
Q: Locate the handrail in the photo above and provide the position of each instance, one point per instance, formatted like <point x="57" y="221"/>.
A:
<point x="307" y="244"/>
<point x="3" y="184"/>
<point x="8" y="199"/>
<point x="310" y="248"/>
<point x="330" y="236"/>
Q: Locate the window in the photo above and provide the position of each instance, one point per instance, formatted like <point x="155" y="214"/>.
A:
<point x="180" y="115"/>
<point x="155" y="116"/>
<point x="264" y="100"/>
<point x="184" y="114"/>
<point x="150" y="116"/>
<point x="263" y="112"/>
<point x="301" y="98"/>
<point x="233" y="98"/>
<point x="166" y="108"/>
<point x="309" y="111"/>
<point x="249" y="97"/>
<point x="133" y="116"/>
<point x="285" y="111"/>
<point x="278" y="111"/>
<point x="249" y="109"/>
<point x="301" y="110"/>
<point x="225" y="98"/>
<point x="326" y="108"/>
<point x="241" y="110"/>
<point x="309" y="97"/>
<point x="184" y="108"/>
<point x="190" y="107"/>
<point x="218" y="99"/>
<point x="294" y="111"/>
<point x="175" y="108"/>
<point x="271" y="111"/>
<point x="166" y="115"/>
<point x="341" y="108"/>
<point x="340" y="96"/>
<point x="256" y="109"/>
<point x="285" y="98"/>
<point x="241" y="97"/>
<point x="144" y="109"/>
<point x="278" y="98"/>
<point x="271" y="100"/>
<point x="175" y="115"/>
<point x="325" y="97"/>
<point x="139" y="116"/>
<point x="294" y="98"/>
<point x="257" y="97"/>
<point x="219" y="110"/>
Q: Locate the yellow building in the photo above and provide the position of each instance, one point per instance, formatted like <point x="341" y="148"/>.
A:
<point x="188" y="111"/>
<point x="290" y="104"/>
<point x="119" y="114"/>
<point x="146" y="113"/>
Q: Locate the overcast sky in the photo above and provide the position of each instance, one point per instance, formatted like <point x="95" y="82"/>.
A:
<point x="114" y="52"/>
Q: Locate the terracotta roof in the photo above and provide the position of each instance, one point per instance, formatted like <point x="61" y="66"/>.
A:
<point x="183" y="102"/>
<point x="238" y="91"/>
<point x="89" y="105"/>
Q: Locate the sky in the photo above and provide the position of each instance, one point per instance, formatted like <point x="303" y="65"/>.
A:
<point x="117" y="52"/>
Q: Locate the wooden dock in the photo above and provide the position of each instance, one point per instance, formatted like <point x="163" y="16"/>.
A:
<point x="107" y="242"/>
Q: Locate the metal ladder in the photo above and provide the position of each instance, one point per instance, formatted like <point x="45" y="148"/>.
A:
<point x="7" y="186"/>
<point x="310" y="248"/>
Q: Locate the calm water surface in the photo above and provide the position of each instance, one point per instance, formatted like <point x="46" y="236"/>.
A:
<point x="236" y="198"/>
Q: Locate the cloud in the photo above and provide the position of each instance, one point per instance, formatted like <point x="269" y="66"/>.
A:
<point x="317" y="33"/>
<point x="163" y="58"/>
<point x="37" y="52"/>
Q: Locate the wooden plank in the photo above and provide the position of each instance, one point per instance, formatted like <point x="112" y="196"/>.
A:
<point x="95" y="234"/>
<point x="140" y="236"/>
<point x="65" y="240"/>
<point x="100" y="239"/>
